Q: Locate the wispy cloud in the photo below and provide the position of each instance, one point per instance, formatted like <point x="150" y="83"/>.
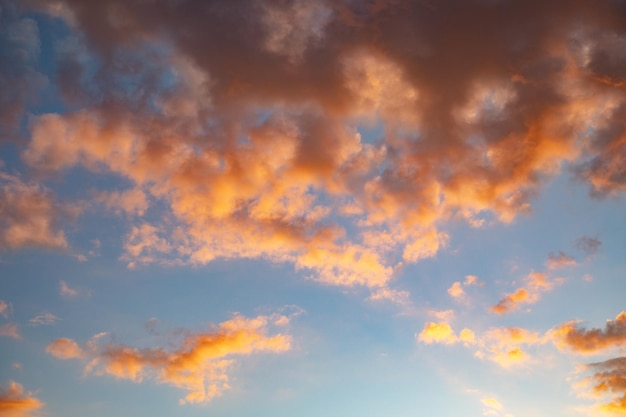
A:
<point x="536" y="284"/>
<point x="44" y="319"/>
<point x="66" y="291"/>
<point x="199" y="365"/>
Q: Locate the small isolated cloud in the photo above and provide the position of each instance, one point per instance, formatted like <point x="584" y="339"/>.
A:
<point x="456" y="289"/>
<point x="588" y="245"/>
<point x="572" y="336"/>
<point x="66" y="291"/>
<point x="559" y="260"/>
<point x="5" y="309"/>
<point x="536" y="284"/>
<point x="491" y="403"/>
<point x="10" y="330"/>
<point x="443" y="333"/>
<point x="14" y="402"/>
<point x="44" y="319"/>
<point x="199" y="365"/>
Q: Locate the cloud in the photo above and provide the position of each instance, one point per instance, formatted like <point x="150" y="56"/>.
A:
<point x="5" y="309"/>
<point x="609" y="378"/>
<point x="559" y="260"/>
<point x="15" y="403"/>
<point x="505" y="346"/>
<point x="65" y="349"/>
<point x="573" y="337"/>
<point x="456" y="289"/>
<point x="30" y="216"/>
<point x="66" y="291"/>
<point x="536" y="283"/>
<point x="442" y="333"/>
<point x="199" y="365"/>
<point x="44" y="319"/>
<point x="10" y="330"/>
<point x="299" y="184"/>
<point x="588" y="245"/>
<point x="132" y="202"/>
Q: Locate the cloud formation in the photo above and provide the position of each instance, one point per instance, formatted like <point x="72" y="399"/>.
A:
<point x="15" y="403"/>
<point x="258" y="154"/>
<point x="609" y="378"/>
<point x="573" y="337"/>
<point x="199" y="365"/>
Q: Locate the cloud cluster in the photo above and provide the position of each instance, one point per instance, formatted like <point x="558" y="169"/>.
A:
<point x="258" y="153"/>
<point x="14" y="402"/>
<point x="502" y="345"/>
<point x="608" y="377"/>
<point x="199" y="365"/>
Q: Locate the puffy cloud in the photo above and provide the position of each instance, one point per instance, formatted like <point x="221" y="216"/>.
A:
<point x="199" y="365"/>
<point x="456" y="289"/>
<point x="30" y="216"/>
<point x="437" y="333"/>
<point x="10" y="330"/>
<point x="536" y="283"/>
<point x="15" y="403"/>
<point x="609" y="378"/>
<point x="65" y="349"/>
<point x="257" y="154"/>
<point x="443" y="333"/>
<point x="577" y="339"/>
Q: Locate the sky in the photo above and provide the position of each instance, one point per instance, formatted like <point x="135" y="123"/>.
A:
<point x="312" y="208"/>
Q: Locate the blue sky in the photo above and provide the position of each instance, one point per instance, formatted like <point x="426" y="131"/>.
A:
<point x="312" y="208"/>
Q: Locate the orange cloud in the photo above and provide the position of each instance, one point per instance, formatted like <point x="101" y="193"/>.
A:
<point x="15" y="403"/>
<point x="199" y="365"/>
<point x="610" y="379"/>
<point x="536" y="283"/>
<point x="29" y="215"/>
<point x="577" y="339"/>
<point x="300" y="185"/>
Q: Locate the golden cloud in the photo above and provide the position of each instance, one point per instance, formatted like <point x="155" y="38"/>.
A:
<point x="15" y="403"/>
<point x="199" y="365"/>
